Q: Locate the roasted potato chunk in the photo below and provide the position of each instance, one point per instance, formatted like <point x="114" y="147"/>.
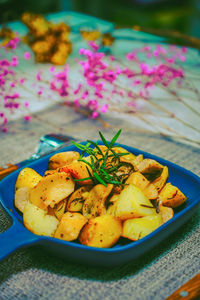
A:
<point x="59" y="209"/>
<point x="129" y="156"/>
<point x="103" y="232"/>
<point x="70" y="226"/>
<point x="27" y="178"/>
<point x="171" y="196"/>
<point x="111" y="210"/>
<point x="49" y="172"/>
<point x="150" y="168"/>
<point x="135" y="229"/>
<point x="78" y="170"/>
<point x="21" y="197"/>
<point x="147" y="188"/>
<point x="166" y="213"/>
<point x="133" y="203"/>
<point x="94" y="205"/>
<point x="61" y="159"/>
<point x="160" y="181"/>
<point x="51" y="190"/>
<point x="37" y="221"/>
<point x="76" y="200"/>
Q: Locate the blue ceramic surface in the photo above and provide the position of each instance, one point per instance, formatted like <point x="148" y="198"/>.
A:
<point x="18" y="236"/>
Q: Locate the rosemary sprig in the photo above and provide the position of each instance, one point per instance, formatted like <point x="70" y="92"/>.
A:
<point x="103" y="165"/>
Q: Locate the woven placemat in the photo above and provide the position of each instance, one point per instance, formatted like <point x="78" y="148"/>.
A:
<point x="32" y="273"/>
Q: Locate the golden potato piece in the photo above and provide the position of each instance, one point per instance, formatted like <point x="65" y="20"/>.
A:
<point x="37" y="221"/>
<point x="151" y="192"/>
<point x="147" y="188"/>
<point x="70" y="226"/>
<point x="59" y="209"/>
<point x="134" y="162"/>
<point x="27" y="178"/>
<point x="166" y="213"/>
<point x="61" y="159"/>
<point x="133" y="203"/>
<point x="129" y="156"/>
<point x="94" y="205"/>
<point x="138" y="159"/>
<point x="150" y="168"/>
<point x="135" y="229"/>
<point x="49" y="172"/>
<point x="171" y="196"/>
<point x="51" y="190"/>
<point x="138" y="179"/>
<point x="160" y="181"/>
<point x="114" y="198"/>
<point x="21" y="197"/>
<point x="75" y="202"/>
<point x="111" y="210"/>
<point x="103" y="232"/>
<point x="78" y="170"/>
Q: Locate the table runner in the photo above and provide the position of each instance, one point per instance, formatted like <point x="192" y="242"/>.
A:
<point x="33" y="273"/>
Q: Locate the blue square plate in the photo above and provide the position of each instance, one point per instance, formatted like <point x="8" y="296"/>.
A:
<point x="18" y="236"/>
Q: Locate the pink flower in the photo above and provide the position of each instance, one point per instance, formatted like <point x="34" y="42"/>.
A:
<point x="85" y="94"/>
<point x="77" y="90"/>
<point x="13" y="44"/>
<point x="38" y="76"/>
<point x="27" y="118"/>
<point x="95" y="114"/>
<point x="76" y="102"/>
<point x="93" y="45"/>
<point x="184" y="49"/>
<point x="27" y="55"/>
<point x="182" y="57"/>
<point x="12" y="84"/>
<point x="109" y="76"/>
<point x="51" y="69"/>
<point x="156" y="53"/>
<point x="39" y="92"/>
<point x="111" y="57"/>
<point x="5" y="121"/>
<point x="136" y="82"/>
<point x="98" y="94"/>
<point x="131" y="56"/>
<point x="104" y="108"/>
<point x="15" y="61"/>
<point x="170" y="60"/>
<point x="5" y="129"/>
<point x="21" y="81"/>
<point x="93" y="104"/>
<point x="129" y="73"/>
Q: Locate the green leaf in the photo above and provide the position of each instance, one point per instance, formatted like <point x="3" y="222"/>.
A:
<point x="97" y="146"/>
<point x="104" y="140"/>
<point x="81" y="179"/>
<point x="99" y="178"/>
<point x="115" y="138"/>
<point x="79" y="146"/>
<point x="86" y="162"/>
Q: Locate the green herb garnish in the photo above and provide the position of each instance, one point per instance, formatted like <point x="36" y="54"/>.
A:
<point x="103" y="165"/>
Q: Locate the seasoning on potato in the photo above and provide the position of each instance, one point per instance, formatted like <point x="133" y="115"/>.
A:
<point x="96" y="195"/>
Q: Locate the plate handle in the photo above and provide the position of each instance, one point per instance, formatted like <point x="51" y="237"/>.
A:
<point x="16" y="236"/>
